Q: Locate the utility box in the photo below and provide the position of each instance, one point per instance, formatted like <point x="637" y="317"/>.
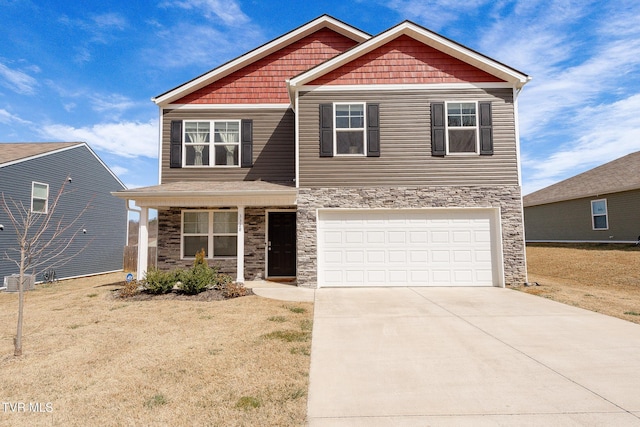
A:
<point x="13" y="282"/>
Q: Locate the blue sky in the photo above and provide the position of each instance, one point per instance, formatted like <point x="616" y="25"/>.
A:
<point x="85" y="71"/>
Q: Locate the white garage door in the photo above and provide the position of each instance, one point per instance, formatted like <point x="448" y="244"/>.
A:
<point x="444" y="247"/>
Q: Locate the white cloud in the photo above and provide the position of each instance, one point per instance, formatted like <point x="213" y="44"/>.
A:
<point x="17" y="81"/>
<point x="229" y="12"/>
<point x="126" y="139"/>
<point x="119" y="170"/>
<point x="606" y="132"/>
<point x="8" y="118"/>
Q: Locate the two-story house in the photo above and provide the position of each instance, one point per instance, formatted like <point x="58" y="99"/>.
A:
<point x="343" y="159"/>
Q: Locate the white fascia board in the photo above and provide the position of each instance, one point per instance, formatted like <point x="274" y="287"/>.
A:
<point x="418" y="86"/>
<point x="168" y="200"/>
<point x="259" y="53"/>
<point x="283" y="106"/>
<point x="423" y="35"/>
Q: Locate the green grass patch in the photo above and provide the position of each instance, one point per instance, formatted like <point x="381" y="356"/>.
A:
<point x="295" y="309"/>
<point x="92" y="295"/>
<point x="289" y="336"/>
<point x="632" y="313"/>
<point x="278" y="319"/>
<point x="248" y="402"/>
<point x="156" y="400"/>
<point x="304" y="351"/>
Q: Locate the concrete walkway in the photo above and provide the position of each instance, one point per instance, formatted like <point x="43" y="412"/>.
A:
<point x="280" y="291"/>
<point x="468" y="357"/>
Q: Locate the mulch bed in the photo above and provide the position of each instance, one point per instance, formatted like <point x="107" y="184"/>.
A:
<point x="208" y="295"/>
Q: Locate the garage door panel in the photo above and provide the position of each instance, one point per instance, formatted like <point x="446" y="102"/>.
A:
<point x="445" y="247"/>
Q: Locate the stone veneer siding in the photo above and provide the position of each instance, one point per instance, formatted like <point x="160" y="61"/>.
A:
<point x="507" y="198"/>
<point x="254" y="243"/>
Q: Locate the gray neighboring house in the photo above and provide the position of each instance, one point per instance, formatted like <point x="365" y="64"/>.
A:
<point x="599" y="205"/>
<point x="32" y="173"/>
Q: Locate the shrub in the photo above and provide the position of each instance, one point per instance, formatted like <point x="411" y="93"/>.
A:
<point x="234" y="290"/>
<point x="130" y="289"/>
<point x="160" y="282"/>
<point x="199" y="277"/>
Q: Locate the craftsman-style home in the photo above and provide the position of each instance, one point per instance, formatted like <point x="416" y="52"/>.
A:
<point x="337" y="158"/>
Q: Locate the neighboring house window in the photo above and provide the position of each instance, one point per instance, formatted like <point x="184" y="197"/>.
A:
<point x="599" y="214"/>
<point x="201" y="150"/>
<point x="39" y="197"/>
<point x="349" y="129"/>
<point x="461" y="128"/>
<point x="214" y="231"/>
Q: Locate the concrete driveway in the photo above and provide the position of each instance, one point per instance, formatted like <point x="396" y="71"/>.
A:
<point x="468" y="356"/>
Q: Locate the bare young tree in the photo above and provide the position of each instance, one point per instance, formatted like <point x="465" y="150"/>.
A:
<point x="42" y="239"/>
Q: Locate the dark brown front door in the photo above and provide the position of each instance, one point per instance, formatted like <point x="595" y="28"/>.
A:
<point x="281" y="244"/>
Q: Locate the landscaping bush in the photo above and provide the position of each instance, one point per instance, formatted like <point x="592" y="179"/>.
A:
<point x="234" y="290"/>
<point x="199" y="277"/>
<point x="160" y="282"/>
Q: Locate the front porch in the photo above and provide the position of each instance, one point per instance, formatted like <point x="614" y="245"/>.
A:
<point x="239" y="246"/>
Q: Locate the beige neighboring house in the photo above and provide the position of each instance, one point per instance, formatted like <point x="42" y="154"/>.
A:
<point x="599" y="205"/>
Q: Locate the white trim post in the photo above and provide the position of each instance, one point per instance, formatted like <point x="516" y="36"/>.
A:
<point x="240" y="251"/>
<point x="143" y="243"/>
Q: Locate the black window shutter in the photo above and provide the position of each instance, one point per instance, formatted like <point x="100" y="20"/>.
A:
<point x="438" y="129"/>
<point x="175" y="144"/>
<point x="373" y="130"/>
<point x="486" y="128"/>
<point x="326" y="130"/>
<point x="247" y="143"/>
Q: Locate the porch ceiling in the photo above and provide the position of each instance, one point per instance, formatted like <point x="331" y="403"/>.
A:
<point x="211" y="194"/>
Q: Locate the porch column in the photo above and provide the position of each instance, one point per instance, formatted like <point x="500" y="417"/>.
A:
<point x="240" y="252"/>
<point x="143" y="243"/>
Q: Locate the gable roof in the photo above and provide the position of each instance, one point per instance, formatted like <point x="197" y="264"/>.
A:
<point x="13" y="152"/>
<point x="619" y="175"/>
<point x="428" y="37"/>
<point x="324" y="21"/>
<point x="17" y="152"/>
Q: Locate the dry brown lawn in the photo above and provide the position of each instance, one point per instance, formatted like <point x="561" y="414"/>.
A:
<point x="602" y="278"/>
<point x="90" y="359"/>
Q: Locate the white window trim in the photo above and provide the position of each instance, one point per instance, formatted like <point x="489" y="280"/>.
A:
<point x="477" y="127"/>
<point x="211" y="144"/>
<point x="363" y="130"/>
<point x="46" y="200"/>
<point x="606" y="215"/>
<point x="210" y="234"/>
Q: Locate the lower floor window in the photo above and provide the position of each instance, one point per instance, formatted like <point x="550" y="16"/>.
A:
<point x="215" y="232"/>
<point x="599" y="214"/>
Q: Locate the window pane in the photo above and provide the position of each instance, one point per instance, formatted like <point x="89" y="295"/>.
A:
<point x="39" y="206"/>
<point x="468" y="120"/>
<point x="461" y="114"/>
<point x="197" y="132"/>
<point x="600" y="221"/>
<point x="193" y="244"/>
<point x="197" y="155"/>
<point x="226" y="132"/>
<point x="468" y="108"/>
<point x="196" y="222"/>
<point x="453" y="109"/>
<point x="350" y="116"/>
<point x="342" y="122"/>
<point x="599" y="207"/>
<point x="454" y="121"/>
<point x="40" y="191"/>
<point x="350" y="142"/>
<point x="225" y="245"/>
<point x="225" y="222"/>
<point x="462" y="141"/>
<point x="226" y="155"/>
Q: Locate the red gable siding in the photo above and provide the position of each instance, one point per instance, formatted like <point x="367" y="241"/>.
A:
<point x="405" y="60"/>
<point x="264" y="80"/>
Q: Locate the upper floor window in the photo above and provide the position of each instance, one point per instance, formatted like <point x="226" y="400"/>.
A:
<point x="203" y="150"/>
<point x="350" y="129"/>
<point x="39" y="197"/>
<point x="461" y="128"/>
<point x="462" y="132"/>
<point x="599" y="218"/>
